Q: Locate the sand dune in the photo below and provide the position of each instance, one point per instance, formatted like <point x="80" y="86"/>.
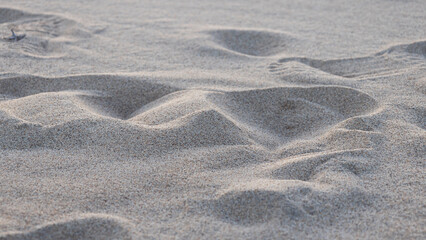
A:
<point x="267" y="116"/>
<point x="212" y="120"/>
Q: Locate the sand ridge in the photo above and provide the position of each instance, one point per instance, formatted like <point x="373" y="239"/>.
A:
<point x="143" y="107"/>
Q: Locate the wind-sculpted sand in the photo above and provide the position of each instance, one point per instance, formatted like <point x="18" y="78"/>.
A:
<point x="212" y="121"/>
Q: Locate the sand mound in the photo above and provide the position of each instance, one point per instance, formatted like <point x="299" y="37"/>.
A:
<point x="88" y="226"/>
<point x="171" y="107"/>
<point x="290" y="112"/>
<point x="38" y="108"/>
<point x="360" y="123"/>
<point x="286" y="201"/>
<point x="305" y="168"/>
<point x="191" y="131"/>
<point x="206" y="128"/>
<point x="110" y="95"/>
<point x="236" y="117"/>
<point x="92" y="110"/>
<point x="342" y="139"/>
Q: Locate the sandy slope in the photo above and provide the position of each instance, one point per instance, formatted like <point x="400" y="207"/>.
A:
<point x="166" y="120"/>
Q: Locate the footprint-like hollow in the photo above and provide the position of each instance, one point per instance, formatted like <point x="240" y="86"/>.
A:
<point x="88" y="226"/>
<point x="252" y="42"/>
<point x="46" y="34"/>
<point x="387" y="62"/>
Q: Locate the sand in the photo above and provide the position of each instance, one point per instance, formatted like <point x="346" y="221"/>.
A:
<point x="213" y="120"/>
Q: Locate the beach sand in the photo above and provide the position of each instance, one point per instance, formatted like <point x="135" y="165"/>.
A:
<point x="213" y="120"/>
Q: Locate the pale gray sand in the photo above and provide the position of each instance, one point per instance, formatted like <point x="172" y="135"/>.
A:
<point x="207" y="120"/>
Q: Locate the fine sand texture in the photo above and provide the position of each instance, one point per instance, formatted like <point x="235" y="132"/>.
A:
<point x="213" y="119"/>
